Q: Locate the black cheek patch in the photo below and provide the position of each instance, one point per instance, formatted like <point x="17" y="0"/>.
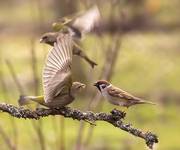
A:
<point x="98" y="87"/>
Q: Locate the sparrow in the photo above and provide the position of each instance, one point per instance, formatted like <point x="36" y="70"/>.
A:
<point x="76" y="25"/>
<point x="59" y="90"/>
<point x="79" y="24"/>
<point x="116" y="96"/>
<point x="51" y="37"/>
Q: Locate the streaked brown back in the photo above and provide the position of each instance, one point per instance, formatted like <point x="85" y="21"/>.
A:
<point x="117" y="92"/>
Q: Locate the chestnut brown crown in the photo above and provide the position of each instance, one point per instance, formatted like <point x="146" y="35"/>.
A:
<point x="101" y="84"/>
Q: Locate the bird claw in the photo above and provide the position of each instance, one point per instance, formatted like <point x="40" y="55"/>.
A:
<point x="93" y="64"/>
<point x="118" y="114"/>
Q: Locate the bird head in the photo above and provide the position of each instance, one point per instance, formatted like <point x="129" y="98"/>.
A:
<point x="101" y="84"/>
<point x="65" y="20"/>
<point x="49" y="38"/>
<point x="77" y="87"/>
<point x="57" y="26"/>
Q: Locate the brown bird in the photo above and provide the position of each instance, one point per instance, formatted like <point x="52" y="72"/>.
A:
<point x="76" y="26"/>
<point x="79" y="24"/>
<point x="51" y="37"/>
<point x="59" y="90"/>
<point x="117" y="96"/>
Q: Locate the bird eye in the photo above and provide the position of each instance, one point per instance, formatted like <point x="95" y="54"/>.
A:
<point x="79" y="87"/>
<point x="45" y="37"/>
<point x="103" y="86"/>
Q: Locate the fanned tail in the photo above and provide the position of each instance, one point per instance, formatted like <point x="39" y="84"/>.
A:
<point x="25" y="100"/>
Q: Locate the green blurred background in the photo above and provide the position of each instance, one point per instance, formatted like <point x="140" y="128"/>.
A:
<point x="147" y="65"/>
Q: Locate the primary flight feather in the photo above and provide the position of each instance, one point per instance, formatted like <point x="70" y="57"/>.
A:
<point x="59" y="90"/>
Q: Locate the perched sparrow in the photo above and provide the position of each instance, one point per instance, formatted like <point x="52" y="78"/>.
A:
<point x="79" y="24"/>
<point x="51" y="37"/>
<point x="117" y="96"/>
<point x="59" y="90"/>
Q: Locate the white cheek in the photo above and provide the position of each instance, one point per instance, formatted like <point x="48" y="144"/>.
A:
<point x="101" y="88"/>
<point x="104" y="92"/>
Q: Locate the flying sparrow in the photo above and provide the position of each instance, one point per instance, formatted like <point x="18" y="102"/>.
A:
<point x="76" y="25"/>
<point x="59" y="90"/>
<point x="117" y="96"/>
<point x="79" y="24"/>
<point x="51" y="37"/>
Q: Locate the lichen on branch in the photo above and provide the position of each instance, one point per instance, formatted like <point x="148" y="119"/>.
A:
<point x="115" y="117"/>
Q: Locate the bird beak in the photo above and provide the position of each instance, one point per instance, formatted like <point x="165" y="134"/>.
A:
<point x="41" y="40"/>
<point x="83" y="86"/>
<point x="95" y="84"/>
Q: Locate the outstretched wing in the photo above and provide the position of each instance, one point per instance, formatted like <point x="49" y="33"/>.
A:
<point x="87" y="21"/>
<point x="57" y="69"/>
<point x="116" y="92"/>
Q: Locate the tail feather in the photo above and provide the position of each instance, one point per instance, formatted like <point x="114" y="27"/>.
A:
<point x="145" y="102"/>
<point x="24" y="100"/>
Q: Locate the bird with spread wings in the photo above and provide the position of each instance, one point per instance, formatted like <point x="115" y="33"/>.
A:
<point x="59" y="90"/>
<point x="76" y="26"/>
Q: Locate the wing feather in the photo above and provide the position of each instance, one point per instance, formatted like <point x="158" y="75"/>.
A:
<point x="119" y="93"/>
<point x="57" y="69"/>
<point x="86" y="22"/>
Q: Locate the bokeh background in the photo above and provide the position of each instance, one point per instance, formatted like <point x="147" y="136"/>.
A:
<point x="137" y="48"/>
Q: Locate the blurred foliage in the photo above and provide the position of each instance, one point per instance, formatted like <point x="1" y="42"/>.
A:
<point x="148" y="66"/>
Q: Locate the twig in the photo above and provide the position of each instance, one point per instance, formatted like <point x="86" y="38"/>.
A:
<point x="38" y="126"/>
<point x="115" y="118"/>
<point x="106" y="74"/>
<point x="14" y="76"/>
<point x="62" y="133"/>
<point x="21" y="91"/>
<point x="120" y="26"/>
<point x="7" y="139"/>
<point x="111" y="55"/>
<point x="34" y="68"/>
<point x="13" y="123"/>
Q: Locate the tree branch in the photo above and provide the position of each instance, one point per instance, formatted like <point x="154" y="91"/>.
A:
<point x="115" y="118"/>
